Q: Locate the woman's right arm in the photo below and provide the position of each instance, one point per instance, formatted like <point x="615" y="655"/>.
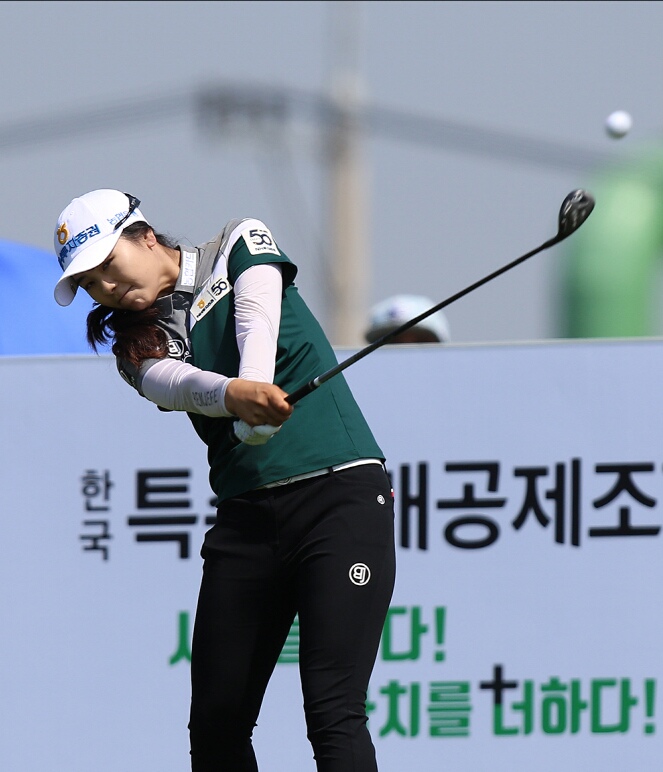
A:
<point x="176" y="385"/>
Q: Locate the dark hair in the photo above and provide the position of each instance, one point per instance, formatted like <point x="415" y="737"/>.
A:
<point x="133" y="335"/>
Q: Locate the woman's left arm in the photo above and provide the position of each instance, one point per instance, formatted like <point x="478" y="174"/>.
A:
<point x="258" y="292"/>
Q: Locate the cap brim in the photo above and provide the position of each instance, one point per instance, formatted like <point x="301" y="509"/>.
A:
<point x="90" y="257"/>
<point x="377" y="332"/>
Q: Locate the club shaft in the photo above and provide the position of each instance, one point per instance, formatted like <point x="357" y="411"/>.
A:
<point x="312" y="385"/>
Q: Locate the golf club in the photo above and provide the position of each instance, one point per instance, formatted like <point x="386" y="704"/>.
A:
<point x="575" y="209"/>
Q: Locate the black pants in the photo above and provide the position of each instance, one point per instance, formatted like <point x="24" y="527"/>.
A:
<point x="322" y="548"/>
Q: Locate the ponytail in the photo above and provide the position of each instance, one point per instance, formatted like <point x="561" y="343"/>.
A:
<point x="134" y="335"/>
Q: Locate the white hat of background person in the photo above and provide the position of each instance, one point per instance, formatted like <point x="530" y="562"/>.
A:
<point x="395" y="311"/>
<point x="86" y="232"/>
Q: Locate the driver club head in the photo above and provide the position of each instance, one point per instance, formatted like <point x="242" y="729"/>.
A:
<point x="576" y="208"/>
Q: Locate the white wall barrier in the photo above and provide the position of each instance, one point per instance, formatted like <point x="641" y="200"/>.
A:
<point x="525" y="632"/>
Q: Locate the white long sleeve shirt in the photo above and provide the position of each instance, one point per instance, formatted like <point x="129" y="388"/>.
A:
<point x="176" y="385"/>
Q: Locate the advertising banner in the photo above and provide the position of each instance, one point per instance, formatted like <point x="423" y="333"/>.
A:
<point x="524" y="632"/>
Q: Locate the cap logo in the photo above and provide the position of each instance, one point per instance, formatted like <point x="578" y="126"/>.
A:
<point x="117" y="217"/>
<point x="63" y="234"/>
<point x="76" y="242"/>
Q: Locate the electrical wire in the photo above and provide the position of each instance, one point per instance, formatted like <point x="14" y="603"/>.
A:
<point x="214" y="108"/>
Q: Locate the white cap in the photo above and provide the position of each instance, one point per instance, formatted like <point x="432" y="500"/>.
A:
<point x="86" y="233"/>
<point x="395" y="311"/>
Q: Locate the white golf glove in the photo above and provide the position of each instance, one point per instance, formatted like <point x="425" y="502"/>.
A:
<point x="254" y="435"/>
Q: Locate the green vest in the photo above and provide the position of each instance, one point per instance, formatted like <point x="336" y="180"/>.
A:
<point x="326" y="427"/>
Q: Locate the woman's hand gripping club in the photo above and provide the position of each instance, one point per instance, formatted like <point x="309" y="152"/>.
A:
<point x="261" y="409"/>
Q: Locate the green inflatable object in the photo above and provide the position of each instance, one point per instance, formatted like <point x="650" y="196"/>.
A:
<point x="610" y="274"/>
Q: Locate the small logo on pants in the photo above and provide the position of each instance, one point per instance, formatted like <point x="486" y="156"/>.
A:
<point x="360" y="574"/>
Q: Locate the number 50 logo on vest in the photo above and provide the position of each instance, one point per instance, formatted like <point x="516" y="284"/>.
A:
<point x="213" y="290"/>
<point x="260" y="241"/>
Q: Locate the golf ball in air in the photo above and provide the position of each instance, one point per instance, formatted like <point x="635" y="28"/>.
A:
<point x="618" y="124"/>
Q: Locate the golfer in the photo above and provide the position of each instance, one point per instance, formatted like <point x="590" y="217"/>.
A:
<point x="305" y="510"/>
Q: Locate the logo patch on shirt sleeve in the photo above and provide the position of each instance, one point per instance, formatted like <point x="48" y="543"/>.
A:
<point x="213" y="290"/>
<point x="260" y="241"/>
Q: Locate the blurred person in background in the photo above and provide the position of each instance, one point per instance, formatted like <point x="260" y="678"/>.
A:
<point x="394" y="311"/>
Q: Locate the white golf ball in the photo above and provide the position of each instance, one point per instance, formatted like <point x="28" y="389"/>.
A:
<point x="618" y="124"/>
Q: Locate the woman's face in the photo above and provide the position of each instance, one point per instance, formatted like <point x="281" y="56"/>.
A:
<point x="133" y="275"/>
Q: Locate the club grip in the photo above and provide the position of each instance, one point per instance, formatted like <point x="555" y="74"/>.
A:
<point x="302" y="391"/>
